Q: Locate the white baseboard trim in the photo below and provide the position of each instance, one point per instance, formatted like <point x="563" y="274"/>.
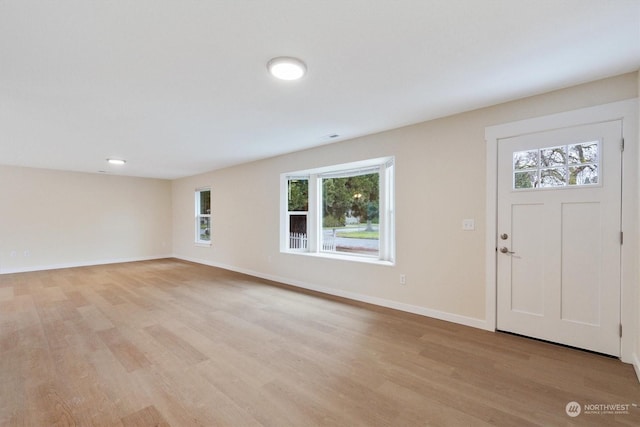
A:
<point x="636" y="364"/>
<point x="79" y="264"/>
<point x="409" y="308"/>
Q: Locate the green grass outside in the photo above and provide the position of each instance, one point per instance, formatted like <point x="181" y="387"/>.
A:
<point x="374" y="235"/>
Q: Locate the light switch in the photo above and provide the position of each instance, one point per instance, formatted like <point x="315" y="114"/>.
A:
<point x="468" y="224"/>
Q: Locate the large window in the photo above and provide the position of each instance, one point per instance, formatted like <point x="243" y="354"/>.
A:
<point x="203" y="216"/>
<point x="344" y="210"/>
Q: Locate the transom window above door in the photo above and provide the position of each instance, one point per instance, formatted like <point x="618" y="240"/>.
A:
<point x="558" y="166"/>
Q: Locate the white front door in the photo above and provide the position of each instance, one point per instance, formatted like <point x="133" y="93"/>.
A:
<point x="559" y="235"/>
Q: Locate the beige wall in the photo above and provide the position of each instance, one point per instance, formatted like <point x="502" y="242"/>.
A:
<point x="440" y="180"/>
<point x="54" y="219"/>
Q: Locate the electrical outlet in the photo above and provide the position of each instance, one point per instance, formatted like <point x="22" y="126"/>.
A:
<point x="403" y="279"/>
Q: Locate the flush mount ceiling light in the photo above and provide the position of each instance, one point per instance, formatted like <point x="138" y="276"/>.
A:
<point x="116" y="161"/>
<point x="286" y="68"/>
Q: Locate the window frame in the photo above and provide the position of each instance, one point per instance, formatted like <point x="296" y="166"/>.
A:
<point x="384" y="166"/>
<point x="199" y="216"/>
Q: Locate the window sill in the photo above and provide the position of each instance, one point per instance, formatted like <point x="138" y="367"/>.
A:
<point x="202" y="245"/>
<point x="339" y="257"/>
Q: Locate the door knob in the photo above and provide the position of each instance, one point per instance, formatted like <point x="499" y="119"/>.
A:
<point x="505" y="250"/>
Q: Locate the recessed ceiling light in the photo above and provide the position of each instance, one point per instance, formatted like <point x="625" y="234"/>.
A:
<point x="286" y="68"/>
<point x="116" y="161"/>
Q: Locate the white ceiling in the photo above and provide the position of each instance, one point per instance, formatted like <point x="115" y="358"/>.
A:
<point x="179" y="87"/>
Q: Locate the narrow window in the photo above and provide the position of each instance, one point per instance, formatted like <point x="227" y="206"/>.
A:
<point x="203" y="216"/>
<point x="298" y="212"/>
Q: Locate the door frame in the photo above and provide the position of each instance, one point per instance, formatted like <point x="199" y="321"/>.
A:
<point x="627" y="112"/>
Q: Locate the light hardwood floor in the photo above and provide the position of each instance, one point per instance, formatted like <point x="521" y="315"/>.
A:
<point x="173" y="343"/>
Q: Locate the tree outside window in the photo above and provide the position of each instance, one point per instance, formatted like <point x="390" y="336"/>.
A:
<point x="350" y="214"/>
